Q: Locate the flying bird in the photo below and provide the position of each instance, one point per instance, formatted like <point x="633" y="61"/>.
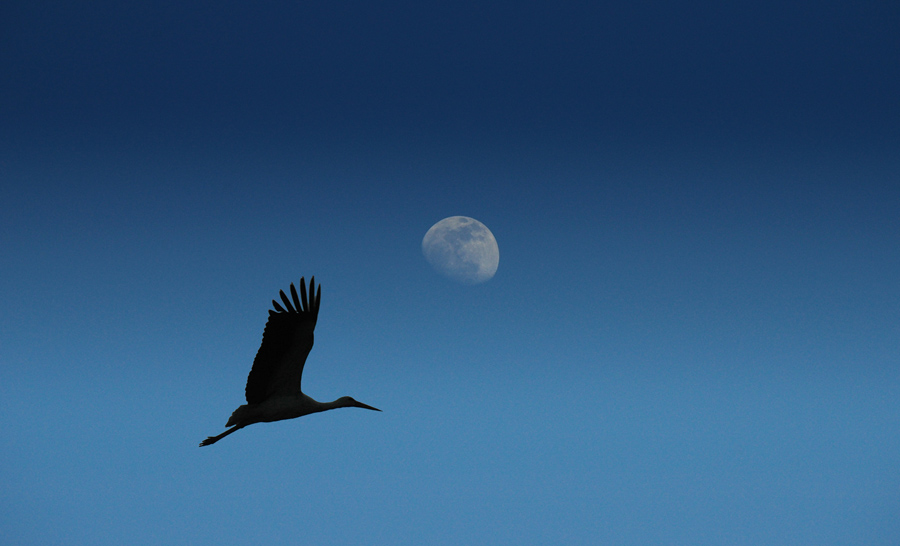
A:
<point x="273" y="386"/>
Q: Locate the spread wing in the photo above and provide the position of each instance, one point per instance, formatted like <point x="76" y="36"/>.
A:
<point x="286" y="342"/>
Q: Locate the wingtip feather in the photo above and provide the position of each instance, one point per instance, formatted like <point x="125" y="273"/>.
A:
<point x="303" y="294"/>
<point x="287" y="302"/>
<point x="301" y="303"/>
<point x="313" y="297"/>
<point x="296" y="299"/>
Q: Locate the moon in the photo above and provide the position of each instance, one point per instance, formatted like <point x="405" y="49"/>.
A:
<point x="462" y="249"/>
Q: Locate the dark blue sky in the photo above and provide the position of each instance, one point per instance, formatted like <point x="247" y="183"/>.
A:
<point x="693" y="336"/>
<point x="558" y="75"/>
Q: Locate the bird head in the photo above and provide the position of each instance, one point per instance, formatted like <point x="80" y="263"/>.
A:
<point x="347" y="402"/>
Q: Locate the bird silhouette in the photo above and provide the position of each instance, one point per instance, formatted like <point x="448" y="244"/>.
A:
<point x="273" y="386"/>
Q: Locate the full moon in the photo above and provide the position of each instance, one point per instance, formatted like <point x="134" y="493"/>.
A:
<point x="462" y="249"/>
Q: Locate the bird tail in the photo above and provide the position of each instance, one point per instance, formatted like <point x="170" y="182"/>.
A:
<point x="238" y="416"/>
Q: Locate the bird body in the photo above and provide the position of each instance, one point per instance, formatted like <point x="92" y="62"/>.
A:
<point x="273" y="386"/>
<point x="289" y="406"/>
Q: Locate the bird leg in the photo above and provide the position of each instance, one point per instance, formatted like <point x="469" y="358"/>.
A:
<point x="213" y="439"/>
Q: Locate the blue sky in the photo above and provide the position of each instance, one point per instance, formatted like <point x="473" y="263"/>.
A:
<point x="693" y="336"/>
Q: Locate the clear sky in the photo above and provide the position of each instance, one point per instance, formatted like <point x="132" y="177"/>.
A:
<point x="693" y="336"/>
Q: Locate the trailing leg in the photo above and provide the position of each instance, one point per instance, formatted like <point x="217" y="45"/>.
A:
<point x="213" y="439"/>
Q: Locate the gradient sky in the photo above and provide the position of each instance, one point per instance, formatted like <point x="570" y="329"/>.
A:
<point x="693" y="336"/>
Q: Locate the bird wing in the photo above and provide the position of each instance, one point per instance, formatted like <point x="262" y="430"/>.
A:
<point x="286" y="342"/>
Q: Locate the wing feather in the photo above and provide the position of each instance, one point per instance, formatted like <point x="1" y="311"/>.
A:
<point x="296" y="299"/>
<point x="287" y="340"/>
<point x="287" y="302"/>
<point x="303" y="292"/>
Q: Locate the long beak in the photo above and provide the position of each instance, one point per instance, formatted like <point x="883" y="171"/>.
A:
<point x="364" y="406"/>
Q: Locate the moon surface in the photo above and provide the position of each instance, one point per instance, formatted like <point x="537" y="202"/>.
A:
<point x="462" y="249"/>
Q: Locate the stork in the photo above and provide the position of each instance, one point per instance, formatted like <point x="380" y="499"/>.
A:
<point x="273" y="386"/>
